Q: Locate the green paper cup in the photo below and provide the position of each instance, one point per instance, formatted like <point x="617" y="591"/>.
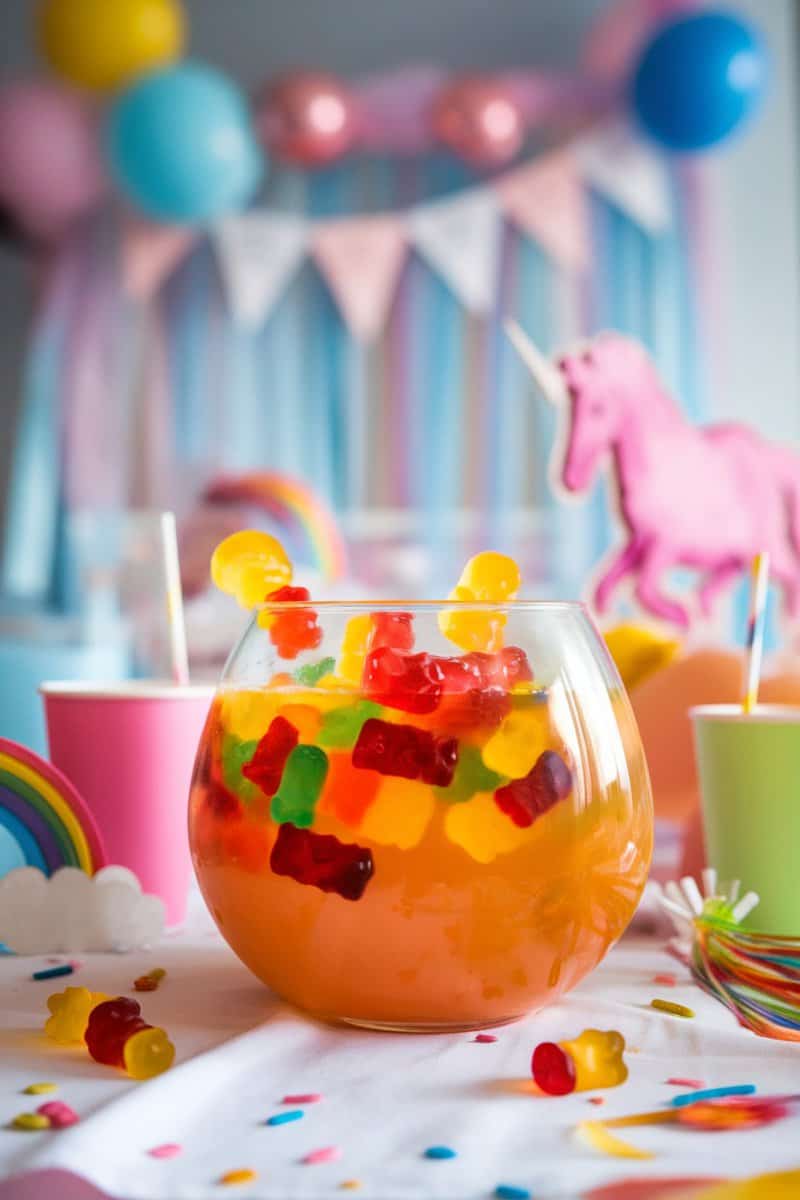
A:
<point x="749" y="769"/>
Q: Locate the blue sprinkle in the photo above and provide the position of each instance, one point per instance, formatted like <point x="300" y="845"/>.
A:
<point x="738" y="1089"/>
<point x="53" y="972"/>
<point x="440" y="1152"/>
<point x="283" y="1118"/>
<point x="507" y="1191"/>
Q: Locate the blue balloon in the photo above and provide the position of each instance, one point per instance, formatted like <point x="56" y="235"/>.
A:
<point x="180" y="144"/>
<point x="698" y="80"/>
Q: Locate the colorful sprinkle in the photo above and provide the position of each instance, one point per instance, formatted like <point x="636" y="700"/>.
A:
<point x="507" y="1191"/>
<point x="150" y="981"/>
<point x="439" y="1152"/>
<point x="677" y="1081"/>
<point x="53" y="972"/>
<point x="598" y="1137"/>
<point x="666" y="979"/>
<point x="303" y="1098"/>
<point x="59" y="1114"/>
<point x="30" y="1121"/>
<point x="484" y="1038"/>
<point x="167" y="1150"/>
<point x="324" y="1155"/>
<point x="284" y="1118"/>
<point x="597" y="1099"/>
<point x="738" y="1089"/>
<point x="350" y="1185"/>
<point x="675" y="1010"/>
<point x="242" y="1175"/>
<point x="39" y="1089"/>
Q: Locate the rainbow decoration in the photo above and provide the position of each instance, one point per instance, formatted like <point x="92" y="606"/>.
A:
<point x="304" y="520"/>
<point x="44" y="823"/>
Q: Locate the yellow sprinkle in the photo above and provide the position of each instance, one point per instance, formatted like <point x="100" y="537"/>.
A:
<point x="242" y="1175"/>
<point x="30" y="1121"/>
<point x="669" y="1006"/>
<point x="39" y="1089"/>
<point x="350" y="1185"/>
<point x="598" y="1137"/>
<point x="157" y="973"/>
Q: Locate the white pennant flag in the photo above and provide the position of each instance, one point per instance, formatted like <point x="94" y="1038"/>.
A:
<point x="258" y="253"/>
<point x="627" y="172"/>
<point x="460" y="239"/>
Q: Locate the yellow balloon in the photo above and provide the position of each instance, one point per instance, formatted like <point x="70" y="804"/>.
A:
<point x="102" y="44"/>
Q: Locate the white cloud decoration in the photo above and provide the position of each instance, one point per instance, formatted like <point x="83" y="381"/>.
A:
<point x="73" y="911"/>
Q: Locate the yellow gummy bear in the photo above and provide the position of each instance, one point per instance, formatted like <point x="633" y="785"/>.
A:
<point x="479" y="827"/>
<point x="639" y="652"/>
<point x="597" y="1055"/>
<point x="488" y="578"/>
<point x="355" y="643"/>
<point x="70" y="1011"/>
<point x="399" y="814"/>
<point x="247" y="713"/>
<point x="249" y="565"/>
<point x="305" y="719"/>
<point x="148" y="1053"/>
<point x="514" y="748"/>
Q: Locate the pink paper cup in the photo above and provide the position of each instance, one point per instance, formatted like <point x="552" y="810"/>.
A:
<point x="129" y="749"/>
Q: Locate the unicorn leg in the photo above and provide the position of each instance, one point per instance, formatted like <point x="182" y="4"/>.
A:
<point x="717" y="579"/>
<point x="625" y="562"/>
<point x="648" y="588"/>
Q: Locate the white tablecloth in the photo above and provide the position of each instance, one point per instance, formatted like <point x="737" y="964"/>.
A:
<point x="386" y="1097"/>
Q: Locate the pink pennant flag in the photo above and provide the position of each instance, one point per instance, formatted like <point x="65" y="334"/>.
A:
<point x="546" y="200"/>
<point x="149" y="252"/>
<point x="360" y="259"/>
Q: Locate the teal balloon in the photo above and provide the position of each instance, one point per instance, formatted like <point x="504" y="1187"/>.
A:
<point x="181" y="147"/>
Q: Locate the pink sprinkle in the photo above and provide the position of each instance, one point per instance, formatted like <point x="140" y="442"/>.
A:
<point x="694" y="1084"/>
<point x="168" y="1150"/>
<point x="76" y="964"/>
<point x="484" y="1037"/>
<point x="666" y="979"/>
<point x="597" y="1099"/>
<point x="59" y="1114"/>
<point x="303" y="1098"/>
<point x="326" y="1154"/>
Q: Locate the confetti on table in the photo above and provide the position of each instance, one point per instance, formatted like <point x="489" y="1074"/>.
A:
<point x="669" y="1006"/>
<point x="484" y="1037"/>
<point x="150" y="981"/>
<point x="736" y="1089"/>
<point x="53" y="972"/>
<point x="284" y="1118"/>
<point x="241" y="1175"/>
<point x="324" y="1155"/>
<point x="167" y="1150"/>
<point x="303" y="1098"/>
<point x="39" y="1089"/>
<point x="507" y="1191"/>
<point x="59" y="1114"/>
<point x="666" y="979"/>
<point x="30" y="1121"/>
<point x="677" y="1081"/>
<point x="597" y="1099"/>
<point x="350" y="1185"/>
<point x="440" y="1152"/>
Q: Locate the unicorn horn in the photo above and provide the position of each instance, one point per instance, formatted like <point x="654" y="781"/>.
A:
<point x="542" y="370"/>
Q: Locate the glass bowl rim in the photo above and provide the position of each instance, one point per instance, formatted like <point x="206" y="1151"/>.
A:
<point x="403" y="606"/>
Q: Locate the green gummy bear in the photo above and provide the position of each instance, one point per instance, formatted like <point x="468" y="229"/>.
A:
<point x="303" y="778"/>
<point x="471" y="776"/>
<point x="341" y="726"/>
<point x="234" y="755"/>
<point x="311" y="674"/>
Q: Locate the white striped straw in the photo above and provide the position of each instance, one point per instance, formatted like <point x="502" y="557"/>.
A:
<point x="755" y="629"/>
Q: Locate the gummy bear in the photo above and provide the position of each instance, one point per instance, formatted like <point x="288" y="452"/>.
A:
<point x="399" y="815"/>
<point x="341" y="726"/>
<point x="310" y="675"/>
<point x="392" y="629"/>
<point x="515" y="746"/>
<point x="295" y="629"/>
<point x="406" y="751"/>
<point x="118" y="1036"/>
<point x="548" y="781"/>
<point x="355" y="643"/>
<point x="303" y="778"/>
<point x="249" y="564"/>
<point x="233" y="757"/>
<point x="480" y="829"/>
<point x="348" y="791"/>
<point x="70" y="1011"/>
<point x="322" y="861"/>
<point x="488" y="578"/>
<point x="397" y="679"/>
<point x="471" y="776"/>
<point x="305" y="718"/>
<point x="266" y="767"/>
<point x="593" y="1060"/>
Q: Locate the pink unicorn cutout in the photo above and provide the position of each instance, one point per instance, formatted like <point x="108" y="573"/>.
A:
<point x="706" y="498"/>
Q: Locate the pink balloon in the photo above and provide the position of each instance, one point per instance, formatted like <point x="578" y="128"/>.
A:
<point x="50" y="166"/>
<point x="308" y="118"/>
<point x="479" y="120"/>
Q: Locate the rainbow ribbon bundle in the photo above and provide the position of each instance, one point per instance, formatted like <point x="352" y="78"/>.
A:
<point x="755" y="975"/>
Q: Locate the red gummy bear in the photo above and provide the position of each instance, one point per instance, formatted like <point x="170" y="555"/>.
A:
<point x="322" y="861"/>
<point x="265" y="768"/>
<point x="392" y="629"/>
<point x="220" y="801"/>
<point x="548" y="781"/>
<point x="405" y="751"/>
<point x="296" y="629"/>
<point x="396" y="679"/>
<point x="110" y="1025"/>
<point x="553" y="1069"/>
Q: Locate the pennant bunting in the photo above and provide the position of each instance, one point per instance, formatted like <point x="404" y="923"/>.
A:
<point x="258" y="252"/>
<point x="546" y="200"/>
<point x="360" y="259"/>
<point x="627" y="172"/>
<point x="460" y="239"/>
<point x="149" y="252"/>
